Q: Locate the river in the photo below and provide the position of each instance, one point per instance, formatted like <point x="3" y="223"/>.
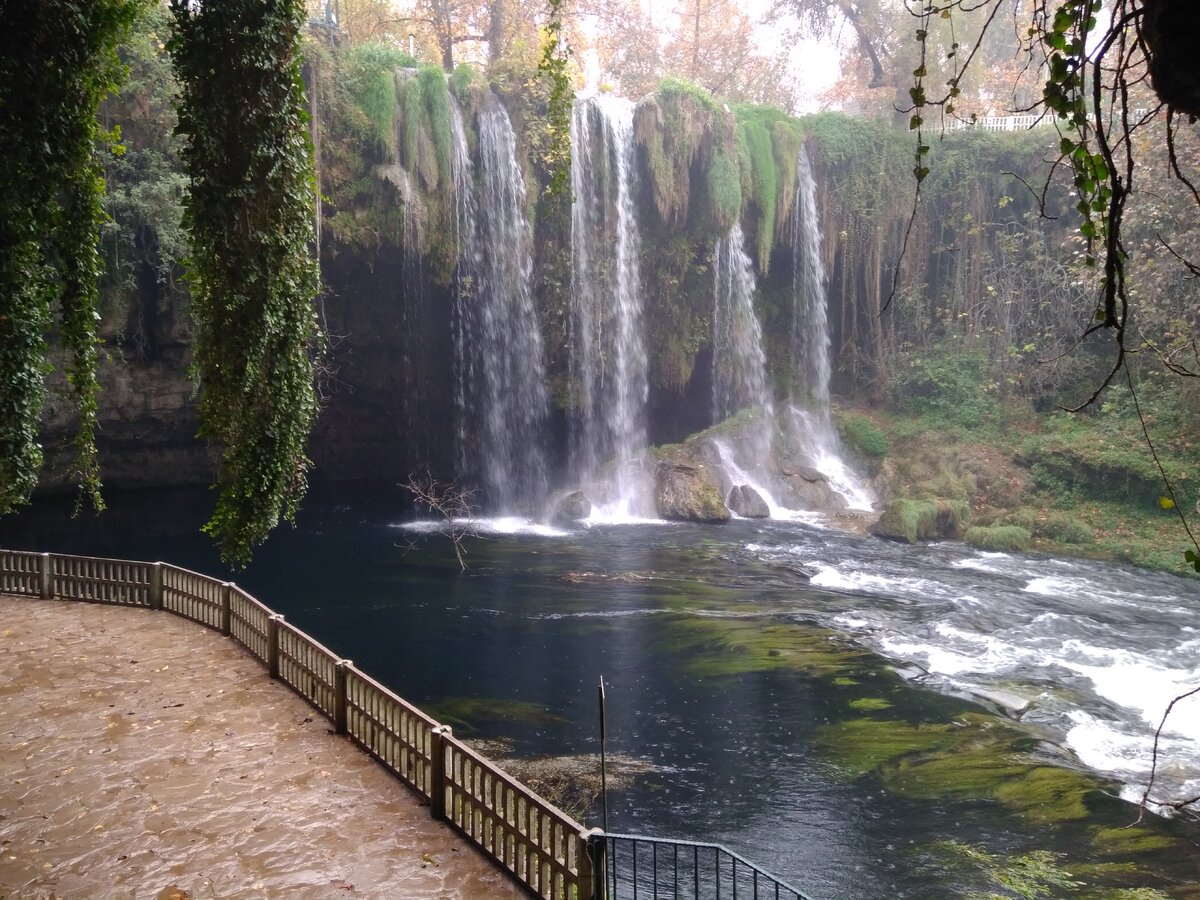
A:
<point x="911" y="722"/>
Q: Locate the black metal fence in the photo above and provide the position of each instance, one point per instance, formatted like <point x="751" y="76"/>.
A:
<point x="642" y="868"/>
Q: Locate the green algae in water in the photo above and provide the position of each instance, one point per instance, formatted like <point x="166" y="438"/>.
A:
<point x="465" y="713"/>
<point x="975" y="759"/>
<point x="870" y="704"/>
<point x="1119" y="841"/>
<point x="719" y="646"/>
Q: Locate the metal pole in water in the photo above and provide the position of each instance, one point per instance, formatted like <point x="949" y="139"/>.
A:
<point x="603" y="759"/>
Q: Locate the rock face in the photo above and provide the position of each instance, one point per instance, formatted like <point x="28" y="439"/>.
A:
<point x="571" y="508"/>
<point x="747" y="502"/>
<point x="686" y="492"/>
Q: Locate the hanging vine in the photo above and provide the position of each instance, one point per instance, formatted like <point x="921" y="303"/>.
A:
<point x="253" y="278"/>
<point x="58" y="59"/>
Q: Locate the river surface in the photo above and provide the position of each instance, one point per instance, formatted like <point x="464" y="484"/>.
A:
<point x="815" y="726"/>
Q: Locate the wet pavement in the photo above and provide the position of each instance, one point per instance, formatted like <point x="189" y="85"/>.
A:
<point x="145" y="756"/>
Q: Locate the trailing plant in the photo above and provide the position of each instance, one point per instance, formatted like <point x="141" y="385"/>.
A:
<point x="57" y="61"/>
<point x="553" y="71"/>
<point x="370" y="80"/>
<point x="253" y="278"/>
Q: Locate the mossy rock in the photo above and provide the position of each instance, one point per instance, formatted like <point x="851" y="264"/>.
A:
<point x="688" y="493"/>
<point x="909" y="521"/>
<point x="1005" y="538"/>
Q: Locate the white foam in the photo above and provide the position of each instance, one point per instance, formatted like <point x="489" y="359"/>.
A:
<point x="498" y="525"/>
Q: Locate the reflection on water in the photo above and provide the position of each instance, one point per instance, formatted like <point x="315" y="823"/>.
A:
<point x="725" y="669"/>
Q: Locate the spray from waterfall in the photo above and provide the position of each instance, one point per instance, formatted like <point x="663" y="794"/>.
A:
<point x="500" y="390"/>
<point x="608" y="353"/>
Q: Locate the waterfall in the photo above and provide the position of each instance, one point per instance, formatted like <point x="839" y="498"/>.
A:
<point x="808" y="423"/>
<point x="608" y="353"/>
<point x="500" y="388"/>
<point x="739" y="363"/>
<point x="464" y="322"/>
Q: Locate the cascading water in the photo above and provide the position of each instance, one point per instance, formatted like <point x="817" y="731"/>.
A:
<point x="608" y="354"/>
<point x="739" y="363"/>
<point x="807" y="422"/>
<point x="739" y="369"/>
<point x="464" y="322"/>
<point x="500" y="391"/>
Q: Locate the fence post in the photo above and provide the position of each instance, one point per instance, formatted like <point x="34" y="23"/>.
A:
<point x="437" y="773"/>
<point x="273" y="644"/>
<point x="47" y="574"/>
<point x="595" y="848"/>
<point x="156" y="586"/>
<point x="227" y="608"/>
<point x="339" y="695"/>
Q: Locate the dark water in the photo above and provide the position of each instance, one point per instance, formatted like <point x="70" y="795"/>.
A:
<point x="743" y="684"/>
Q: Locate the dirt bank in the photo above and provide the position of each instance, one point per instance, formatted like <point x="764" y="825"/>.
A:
<point x="140" y="752"/>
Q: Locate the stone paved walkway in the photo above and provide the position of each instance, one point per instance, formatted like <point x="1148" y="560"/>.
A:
<point x="144" y="756"/>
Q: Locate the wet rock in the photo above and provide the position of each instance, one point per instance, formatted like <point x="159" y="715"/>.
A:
<point x="571" y="508"/>
<point x="808" y="473"/>
<point x="688" y="493"/>
<point x="747" y="502"/>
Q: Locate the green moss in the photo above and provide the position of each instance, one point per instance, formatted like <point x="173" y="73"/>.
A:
<point x="370" y="81"/>
<point x="908" y="520"/>
<point x="1006" y="538"/>
<point x="435" y="94"/>
<point x="411" y="107"/>
<point x="863" y="436"/>
<point x="862" y="745"/>
<point x="1047" y="794"/>
<point x="724" y="189"/>
<point x="723" y="646"/>
<point x="869" y="704"/>
<point x="461" y="81"/>
<point x="1121" y="841"/>
<point x="764" y="188"/>
<point x="465" y="714"/>
<point x="977" y="758"/>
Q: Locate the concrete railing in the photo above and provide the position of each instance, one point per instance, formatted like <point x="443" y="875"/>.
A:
<point x="538" y="845"/>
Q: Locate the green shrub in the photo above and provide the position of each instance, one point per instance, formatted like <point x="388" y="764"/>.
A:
<point x="949" y="385"/>
<point x="1006" y="538"/>
<point x="952" y="518"/>
<point x="863" y="436"/>
<point x="1022" y="517"/>
<point x="1065" y="529"/>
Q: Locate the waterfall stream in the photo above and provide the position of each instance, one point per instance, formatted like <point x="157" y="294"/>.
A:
<point x="608" y="353"/>
<point x="502" y="400"/>
<point x="808" y="423"/>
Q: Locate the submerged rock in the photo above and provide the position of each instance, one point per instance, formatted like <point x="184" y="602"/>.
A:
<point x="687" y="492"/>
<point x="571" y="508"/>
<point x="747" y="502"/>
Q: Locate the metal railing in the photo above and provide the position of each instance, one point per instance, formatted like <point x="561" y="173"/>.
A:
<point x="640" y="868"/>
<point x="535" y="843"/>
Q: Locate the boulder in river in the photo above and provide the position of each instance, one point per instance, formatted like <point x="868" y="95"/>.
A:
<point x="747" y="502"/>
<point x="571" y="508"/>
<point x="687" y="492"/>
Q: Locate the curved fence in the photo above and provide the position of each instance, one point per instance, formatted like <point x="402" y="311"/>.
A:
<point x="537" y="844"/>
